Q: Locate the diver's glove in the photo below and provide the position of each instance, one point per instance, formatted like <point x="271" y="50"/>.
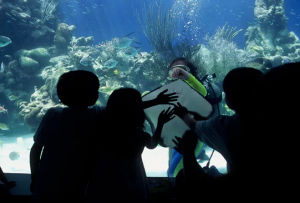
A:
<point x="180" y="110"/>
<point x="163" y="98"/>
<point x="180" y="74"/>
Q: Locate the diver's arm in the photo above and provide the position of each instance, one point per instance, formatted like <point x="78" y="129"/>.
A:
<point x="195" y="84"/>
<point x="35" y="154"/>
<point x="197" y="116"/>
<point x="190" y="122"/>
<point x="153" y="142"/>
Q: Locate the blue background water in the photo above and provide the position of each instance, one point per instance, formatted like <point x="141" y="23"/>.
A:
<point x="106" y="19"/>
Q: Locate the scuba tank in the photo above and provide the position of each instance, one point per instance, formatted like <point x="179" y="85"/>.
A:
<point x="214" y="94"/>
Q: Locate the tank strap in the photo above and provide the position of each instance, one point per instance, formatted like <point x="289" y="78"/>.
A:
<point x="214" y="101"/>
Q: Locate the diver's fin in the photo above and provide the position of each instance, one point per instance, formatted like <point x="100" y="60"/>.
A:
<point x="129" y="34"/>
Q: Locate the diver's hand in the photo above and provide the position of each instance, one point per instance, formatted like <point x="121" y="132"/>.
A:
<point x="180" y="111"/>
<point x="165" y="116"/>
<point x="180" y="73"/>
<point x="187" y="144"/>
<point x="197" y="116"/>
<point x="163" y="98"/>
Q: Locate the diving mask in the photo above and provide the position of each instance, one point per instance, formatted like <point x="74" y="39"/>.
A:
<point x="170" y="71"/>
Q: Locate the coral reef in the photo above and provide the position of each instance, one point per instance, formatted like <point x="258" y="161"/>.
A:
<point x="31" y="61"/>
<point x="63" y="36"/>
<point x="269" y="38"/>
<point x="21" y="21"/>
<point x="220" y="54"/>
<point x="33" y="112"/>
<point x="33" y="66"/>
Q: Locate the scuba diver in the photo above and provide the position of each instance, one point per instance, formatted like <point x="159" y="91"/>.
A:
<point x="182" y="68"/>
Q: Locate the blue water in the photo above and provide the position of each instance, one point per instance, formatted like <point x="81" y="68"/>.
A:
<point x="107" y="19"/>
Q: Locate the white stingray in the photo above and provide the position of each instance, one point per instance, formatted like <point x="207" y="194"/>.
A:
<point x="187" y="97"/>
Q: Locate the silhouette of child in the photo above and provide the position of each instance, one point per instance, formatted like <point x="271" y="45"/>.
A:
<point x="59" y="174"/>
<point x="119" y="174"/>
<point x="222" y="133"/>
<point x="5" y="185"/>
<point x="64" y="135"/>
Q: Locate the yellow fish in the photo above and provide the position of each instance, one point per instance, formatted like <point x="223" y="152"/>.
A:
<point x="116" y="72"/>
<point x="3" y="126"/>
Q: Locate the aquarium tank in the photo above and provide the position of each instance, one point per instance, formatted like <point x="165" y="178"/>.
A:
<point x="129" y="43"/>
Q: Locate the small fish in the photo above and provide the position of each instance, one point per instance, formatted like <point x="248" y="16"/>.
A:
<point x="14" y="156"/>
<point x="1" y="145"/>
<point x="87" y="60"/>
<point x="26" y="110"/>
<point x="4" y="41"/>
<point x="13" y="97"/>
<point x="111" y="63"/>
<point x="130" y="52"/>
<point x="123" y="43"/>
<point x="3" y="126"/>
<point x="116" y="72"/>
<point x="2" y="67"/>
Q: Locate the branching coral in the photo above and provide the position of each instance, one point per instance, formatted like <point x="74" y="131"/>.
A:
<point x="47" y="8"/>
<point x="108" y="47"/>
<point x="222" y="54"/>
<point x="160" y="28"/>
<point x="226" y="32"/>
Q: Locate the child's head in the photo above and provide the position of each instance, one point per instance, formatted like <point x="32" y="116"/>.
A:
<point x="78" y="89"/>
<point x="240" y="88"/>
<point x="126" y="106"/>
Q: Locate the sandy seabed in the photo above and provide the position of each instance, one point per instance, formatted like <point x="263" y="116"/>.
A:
<point x="155" y="161"/>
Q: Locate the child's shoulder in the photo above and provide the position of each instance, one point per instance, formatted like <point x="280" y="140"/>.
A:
<point x="53" y="112"/>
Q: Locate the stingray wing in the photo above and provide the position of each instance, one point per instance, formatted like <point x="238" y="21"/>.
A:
<point x="188" y="97"/>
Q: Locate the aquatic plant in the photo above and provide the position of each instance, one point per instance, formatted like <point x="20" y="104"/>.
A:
<point x="160" y="28"/>
<point x="226" y="32"/>
<point x="47" y="8"/>
<point x="108" y="47"/>
<point x="222" y="54"/>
